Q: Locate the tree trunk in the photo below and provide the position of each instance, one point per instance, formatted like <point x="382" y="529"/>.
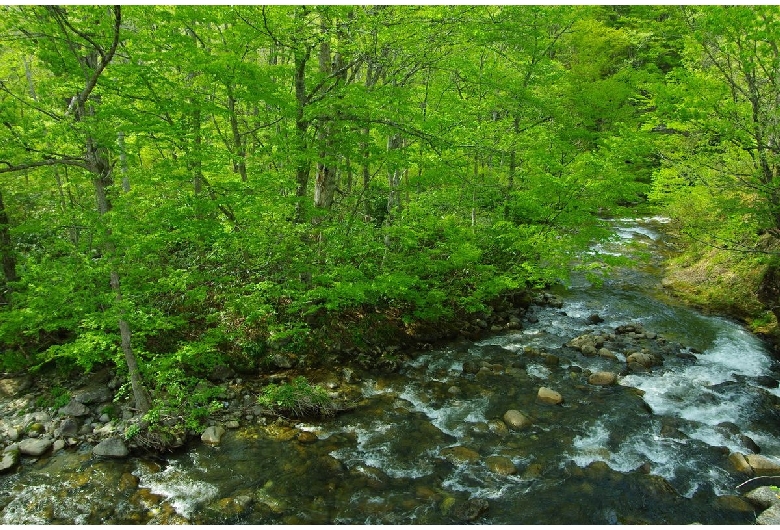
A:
<point x="239" y="149"/>
<point x="6" y="255"/>
<point x="123" y="161"/>
<point x="394" y="175"/>
<point x="325" y="181"/>
<point x="301" y="128"/>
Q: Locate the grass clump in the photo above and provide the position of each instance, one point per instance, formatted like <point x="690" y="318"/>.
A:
<point x="298" y="398"/>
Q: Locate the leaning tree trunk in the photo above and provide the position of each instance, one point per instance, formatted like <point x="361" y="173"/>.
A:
<point x="100" y="182"/>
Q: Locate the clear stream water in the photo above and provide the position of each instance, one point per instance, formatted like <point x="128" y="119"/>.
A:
<point x="417" y="449"/>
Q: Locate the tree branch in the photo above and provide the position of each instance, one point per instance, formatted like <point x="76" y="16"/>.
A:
<point x="81" y="99"/>
<point x="11" y="168"/>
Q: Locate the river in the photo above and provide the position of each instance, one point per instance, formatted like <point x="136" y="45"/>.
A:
<point x="427" y="445"/>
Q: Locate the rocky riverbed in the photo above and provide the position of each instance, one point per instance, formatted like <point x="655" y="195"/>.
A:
<point x="551" y="383"/>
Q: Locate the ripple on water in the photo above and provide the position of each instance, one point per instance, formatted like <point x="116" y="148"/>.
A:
<point x="31" y="505"/>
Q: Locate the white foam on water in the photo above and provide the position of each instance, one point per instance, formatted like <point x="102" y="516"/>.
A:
<point x="62" y="501"/>
<point x="452" y="417"/>
<point x="591" y="446"/>
<point x="479" y="482"/>
<point x="686" y="391"/>
<point x="538" y="371"/>
<point x="374" y="449"/>
<point x="184" y="493"/>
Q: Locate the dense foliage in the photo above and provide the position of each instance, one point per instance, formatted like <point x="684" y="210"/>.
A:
<point x="183" y="187"/>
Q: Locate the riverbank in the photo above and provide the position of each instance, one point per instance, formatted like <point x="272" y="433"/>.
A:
<point x="66" y="410"/>
<point x="717" y="281"/>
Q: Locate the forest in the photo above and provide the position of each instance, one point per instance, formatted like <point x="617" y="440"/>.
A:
<point x="190" y="188"/>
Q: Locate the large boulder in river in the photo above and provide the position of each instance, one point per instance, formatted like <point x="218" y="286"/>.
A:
<point x="516" y="420"/>
<point x="763" y="466"/>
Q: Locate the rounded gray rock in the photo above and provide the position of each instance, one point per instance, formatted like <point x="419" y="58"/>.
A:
<point x="35" y="446"/>
<point x="112" y="447"/>
<point x="9" y="461"/>
<point x="212" y="435"/>
<point x="74" y="408"/>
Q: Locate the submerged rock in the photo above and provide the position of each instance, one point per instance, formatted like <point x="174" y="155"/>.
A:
<point x="498" y="427"/>
<point x="516" y="420"/>
<point x="459" y="454"/>
<point x="470" y="510"/>
<point x="307" y="437"/>
<point x="500" y="465"/>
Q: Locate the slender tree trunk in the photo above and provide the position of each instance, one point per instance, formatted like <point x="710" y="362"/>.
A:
<point x="195" y="164"/>
<point x="123" y="161"/>
<point x="394" y="175"/>
<point x="303" y="164"/>
<point x="29" y="75"/>
<point x="239" y="149"/>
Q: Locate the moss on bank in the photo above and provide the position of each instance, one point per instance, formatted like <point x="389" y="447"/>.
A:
<point x="723" y="282"/>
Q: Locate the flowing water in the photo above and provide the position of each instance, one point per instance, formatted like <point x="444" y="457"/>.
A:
<point x="428" y="446"/>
